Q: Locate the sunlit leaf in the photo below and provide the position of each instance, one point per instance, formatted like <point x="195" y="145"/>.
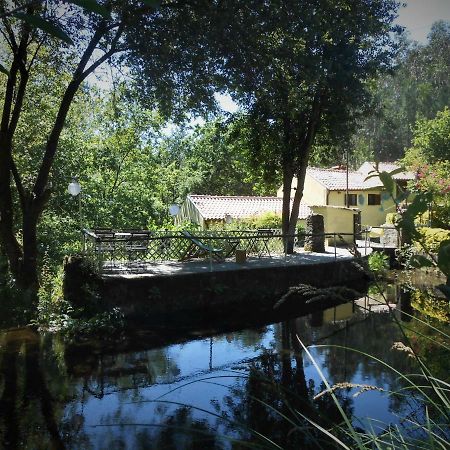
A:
<point x="93" y="6"/>
<point x="4" y="70"/>
<point x="44" y="25"/>
<point x="420" y="261"/>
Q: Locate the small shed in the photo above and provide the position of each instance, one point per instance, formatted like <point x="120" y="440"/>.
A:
<point x="206" y="210"/>
<point x="340" y="219"/>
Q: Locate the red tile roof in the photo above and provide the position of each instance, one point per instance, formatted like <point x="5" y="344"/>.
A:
<point x="239" y="207"/>
<point x="336" y="179"/>
<point x="387" y="167"/>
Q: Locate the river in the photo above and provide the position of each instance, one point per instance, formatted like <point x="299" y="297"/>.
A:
<point x="221" y="388"/>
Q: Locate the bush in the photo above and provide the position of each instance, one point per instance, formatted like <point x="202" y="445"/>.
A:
<point x="431" y="238"/>
<point x="267" y="220"/>
<point x="392" y="218"/>
<point x="378" y="262"/>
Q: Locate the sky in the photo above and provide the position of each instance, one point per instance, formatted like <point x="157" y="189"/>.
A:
<point x="417" y="16"/>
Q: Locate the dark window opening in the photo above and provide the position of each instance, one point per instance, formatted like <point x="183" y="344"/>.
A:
<point x="374" y="199"/>
<point x="352" y="200"/>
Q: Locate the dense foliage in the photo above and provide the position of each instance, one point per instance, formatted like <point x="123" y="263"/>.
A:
<point x="418" y="88"/>
<point x="429" y="159"/>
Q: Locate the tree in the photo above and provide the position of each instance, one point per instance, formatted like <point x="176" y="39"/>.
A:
<point x="219" y="152"/>
<point x="299" y="69"/>
<point x="96" y="39"/>
<point x="429" y="159"/>
<point x="26" y="45"/>
<point x="418" y="88"/>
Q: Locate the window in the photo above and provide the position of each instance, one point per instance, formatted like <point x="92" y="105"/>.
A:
<point x="374" y="199"/>
<point x="352" y="199"/>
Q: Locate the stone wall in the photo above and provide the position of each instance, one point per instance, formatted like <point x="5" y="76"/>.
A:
<point x="213" y="293"/>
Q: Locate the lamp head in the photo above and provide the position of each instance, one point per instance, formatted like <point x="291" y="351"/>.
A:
<point x="74" y="187"/>
<point x="174" y="210"/>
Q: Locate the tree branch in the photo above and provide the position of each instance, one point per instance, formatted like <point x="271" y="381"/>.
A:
<point x="107" y="55"/>
<point x="18" y="182"/>
<point x="9" y="30"/>
<point x="24" y="76"/>
<point x="79" y="75"/>
<point x="5" y="14"/>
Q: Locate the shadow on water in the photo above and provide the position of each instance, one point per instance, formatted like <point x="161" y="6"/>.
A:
<point x="199" y="383"/>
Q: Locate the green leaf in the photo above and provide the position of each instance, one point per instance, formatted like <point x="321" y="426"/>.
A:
<point x="93" y="6"/>
<point x="444" y="257"/>
<point x="371" y="176"/>
<point x="44" y="25"/>
<point x="418" y="206"/>
<point x="401" y="197"/>
<point x="418" y="261"/>
<point x="396" y="171"/>
<point x="152" y="3"/>
<point x="388" y="182"/>
<point x="4" y="70"/>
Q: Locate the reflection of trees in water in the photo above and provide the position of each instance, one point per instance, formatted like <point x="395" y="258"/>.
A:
<point x="32" y="401"/>
<point x="179" y="430"/>
<point x="374" y="336"/>
<point x="275" y="395"/>
<point x="248" y="338"/>
<point x="35" y="407"/>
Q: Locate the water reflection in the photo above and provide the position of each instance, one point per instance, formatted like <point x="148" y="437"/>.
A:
<point x="207" y="391"/>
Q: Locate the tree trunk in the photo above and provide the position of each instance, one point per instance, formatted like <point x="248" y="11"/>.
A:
<point x="293" y="218"/>
<point x="300" y="161"/>
<point x="23" y="258"/>
<point x="288" y="176"/>
<point x="29" y="272"/>
<point x="11" y="246"/>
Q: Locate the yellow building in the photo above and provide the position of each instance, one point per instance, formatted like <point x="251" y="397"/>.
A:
<point x="328" y="187"/>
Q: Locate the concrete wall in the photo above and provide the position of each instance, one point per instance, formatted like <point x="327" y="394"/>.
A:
<point x="337" y="219"/>
<point x="214" y="293"/>
<point x="314" y="193"/>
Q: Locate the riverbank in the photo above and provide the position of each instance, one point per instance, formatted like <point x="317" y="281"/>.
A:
<point x="212" y="288"/>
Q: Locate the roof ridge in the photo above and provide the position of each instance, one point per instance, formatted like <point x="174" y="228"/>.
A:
<point x="236" y="196"/>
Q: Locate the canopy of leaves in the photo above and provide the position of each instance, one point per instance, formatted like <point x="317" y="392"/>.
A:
<point x="417" y="89"/>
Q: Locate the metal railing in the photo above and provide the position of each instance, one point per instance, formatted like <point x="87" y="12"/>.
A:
<point x="135" y="248"/>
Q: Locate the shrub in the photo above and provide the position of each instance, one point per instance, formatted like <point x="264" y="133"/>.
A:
<point x="432" y="238"/>
<point x="378" y="262"/>
<point x="392" y="218"/>
<point x="267" y="220"/>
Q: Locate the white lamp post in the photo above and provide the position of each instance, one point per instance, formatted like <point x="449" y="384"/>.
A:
<point x="74" y="190"/>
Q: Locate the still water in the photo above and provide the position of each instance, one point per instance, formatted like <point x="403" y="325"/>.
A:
<point x="224" y="390"/>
